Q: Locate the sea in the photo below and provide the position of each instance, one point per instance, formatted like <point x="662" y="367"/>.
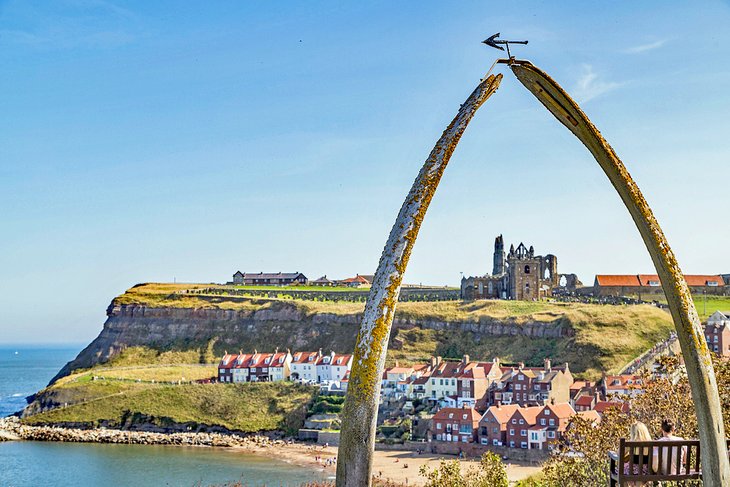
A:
<point x="25" y="370"/>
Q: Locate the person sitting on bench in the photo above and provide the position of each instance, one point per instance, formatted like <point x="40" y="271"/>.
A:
<point x="669" y="455"/>
<point x="643" y="458"/>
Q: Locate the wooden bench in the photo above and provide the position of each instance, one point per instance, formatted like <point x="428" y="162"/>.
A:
<point x="639" y="459"/>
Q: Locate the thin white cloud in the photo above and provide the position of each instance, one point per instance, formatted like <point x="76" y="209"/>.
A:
<point x="590" y="85"/>
<point x="646" y="47"/>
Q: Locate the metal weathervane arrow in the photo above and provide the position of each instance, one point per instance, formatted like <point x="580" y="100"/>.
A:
<point x="493" y="41"/>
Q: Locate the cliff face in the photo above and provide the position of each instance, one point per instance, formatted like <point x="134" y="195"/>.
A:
<point x="281" y="324"/>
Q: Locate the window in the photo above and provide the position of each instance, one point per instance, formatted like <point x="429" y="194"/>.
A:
<point x="547" y="412"/>
<point x="253" y="369"/>
<point x="518" y="387"/>
<point x="464" y="439"/>
<point x="542" y="421"/>
<point x="522" y="421"/>
<point x="551" y="434"/>
<point x="222" y="371"/>
<point x="463" y="416"/>
<point x="527" y="269"/>
<point x="552" y="422"/>
<point x="495" y="430"/>
<point x="523" y="445"/>
<point x="512" y="432"/>
<point x="514" y="421"/>
<point x="448" y="428"/>
<point x="465" y="428"/>
<point x="523" y="432"/>
<point x="433" y="382"/>
<point x="438" y="426"/>
<point x="521" y="377"/>
<point x="451" y="415"/>
<point x="441" y="382"/>
<point x="511" y="444"/>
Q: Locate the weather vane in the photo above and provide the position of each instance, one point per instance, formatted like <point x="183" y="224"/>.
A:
<point x="492" y="41"/>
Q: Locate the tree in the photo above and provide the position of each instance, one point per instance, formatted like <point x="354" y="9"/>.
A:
<point x="581" y="456"/>
<point x="490" y="473"/>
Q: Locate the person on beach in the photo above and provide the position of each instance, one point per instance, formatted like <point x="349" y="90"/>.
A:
<point x="642" y="457"/>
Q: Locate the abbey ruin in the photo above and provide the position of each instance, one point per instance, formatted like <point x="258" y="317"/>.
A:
<point x="520" y="275"/>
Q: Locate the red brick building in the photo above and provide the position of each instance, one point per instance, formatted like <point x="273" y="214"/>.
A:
<point x="455" y="425"/>
<point x="493" y="425"/>
<point x="717" y="333"/>
<point x="519" y="426"/>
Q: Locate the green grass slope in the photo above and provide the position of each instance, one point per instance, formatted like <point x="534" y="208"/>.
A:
<point x="120" y="396"/>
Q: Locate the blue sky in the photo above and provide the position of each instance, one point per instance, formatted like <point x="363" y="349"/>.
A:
<point x="152" y="141"/>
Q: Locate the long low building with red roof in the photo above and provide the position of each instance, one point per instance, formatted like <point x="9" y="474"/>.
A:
<point x="646" y="284"/>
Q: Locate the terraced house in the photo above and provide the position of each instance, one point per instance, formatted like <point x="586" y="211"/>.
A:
<point x="278" y="366"/>
<point x="717" y="333"/>
<point x="455" y="425"/>
<point x="532" y="386"/>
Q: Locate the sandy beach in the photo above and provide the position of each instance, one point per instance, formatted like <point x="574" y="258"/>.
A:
<point x="397" y="466"/>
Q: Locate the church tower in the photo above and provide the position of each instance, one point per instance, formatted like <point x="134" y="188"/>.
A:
<point x="498" y="268"/>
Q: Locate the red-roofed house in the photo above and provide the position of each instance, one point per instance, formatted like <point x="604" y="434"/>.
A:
<point x="304" y="366"/>
<point x="455" y="425"/>
<point x="625" y="384"/>
<point x="585" y="402"/>
<point x="473" y="381"/>
<point x="717" y="333"/>
<point x="550" y="425"/>
<point x="357" y="281"/>
<point x="519" y="425"/>
<point x="493" y="425"/>
<point x="602" y="406"/>
<point x="333" y="367"/>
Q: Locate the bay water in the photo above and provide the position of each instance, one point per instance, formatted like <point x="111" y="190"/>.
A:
<point x="25" y="370"/>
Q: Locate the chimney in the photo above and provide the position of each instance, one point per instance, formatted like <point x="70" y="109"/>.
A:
<point x="433" y="362"/>
<point x="276" y="350"/>
<point x="240" y="352"/>
<point x="255" y="351"/>
<point x="396" y="362"/>
<point x="547" y="365"/>
<point x="439" y="359"/>
<point x="521" y="365"/>
<point x="465" y="359"/>
<point x="320" y="351"/>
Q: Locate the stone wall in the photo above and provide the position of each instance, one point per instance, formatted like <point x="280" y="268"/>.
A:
<point x="470" y="450"/>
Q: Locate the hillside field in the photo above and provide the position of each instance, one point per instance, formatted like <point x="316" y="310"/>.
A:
<point x="121" y="396"/>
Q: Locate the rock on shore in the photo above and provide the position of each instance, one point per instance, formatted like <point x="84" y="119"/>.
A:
<point x="12" y="429"/>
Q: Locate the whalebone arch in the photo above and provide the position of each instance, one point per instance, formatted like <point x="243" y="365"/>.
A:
<point x="358" y="434"/>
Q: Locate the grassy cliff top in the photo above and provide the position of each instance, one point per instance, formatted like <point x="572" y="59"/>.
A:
<point x="208" y="296"/>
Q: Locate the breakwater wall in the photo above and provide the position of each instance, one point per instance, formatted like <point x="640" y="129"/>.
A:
<point x="12" y="429"/>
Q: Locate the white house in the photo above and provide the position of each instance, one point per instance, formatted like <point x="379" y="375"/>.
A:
<point x="304" y="366"/>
